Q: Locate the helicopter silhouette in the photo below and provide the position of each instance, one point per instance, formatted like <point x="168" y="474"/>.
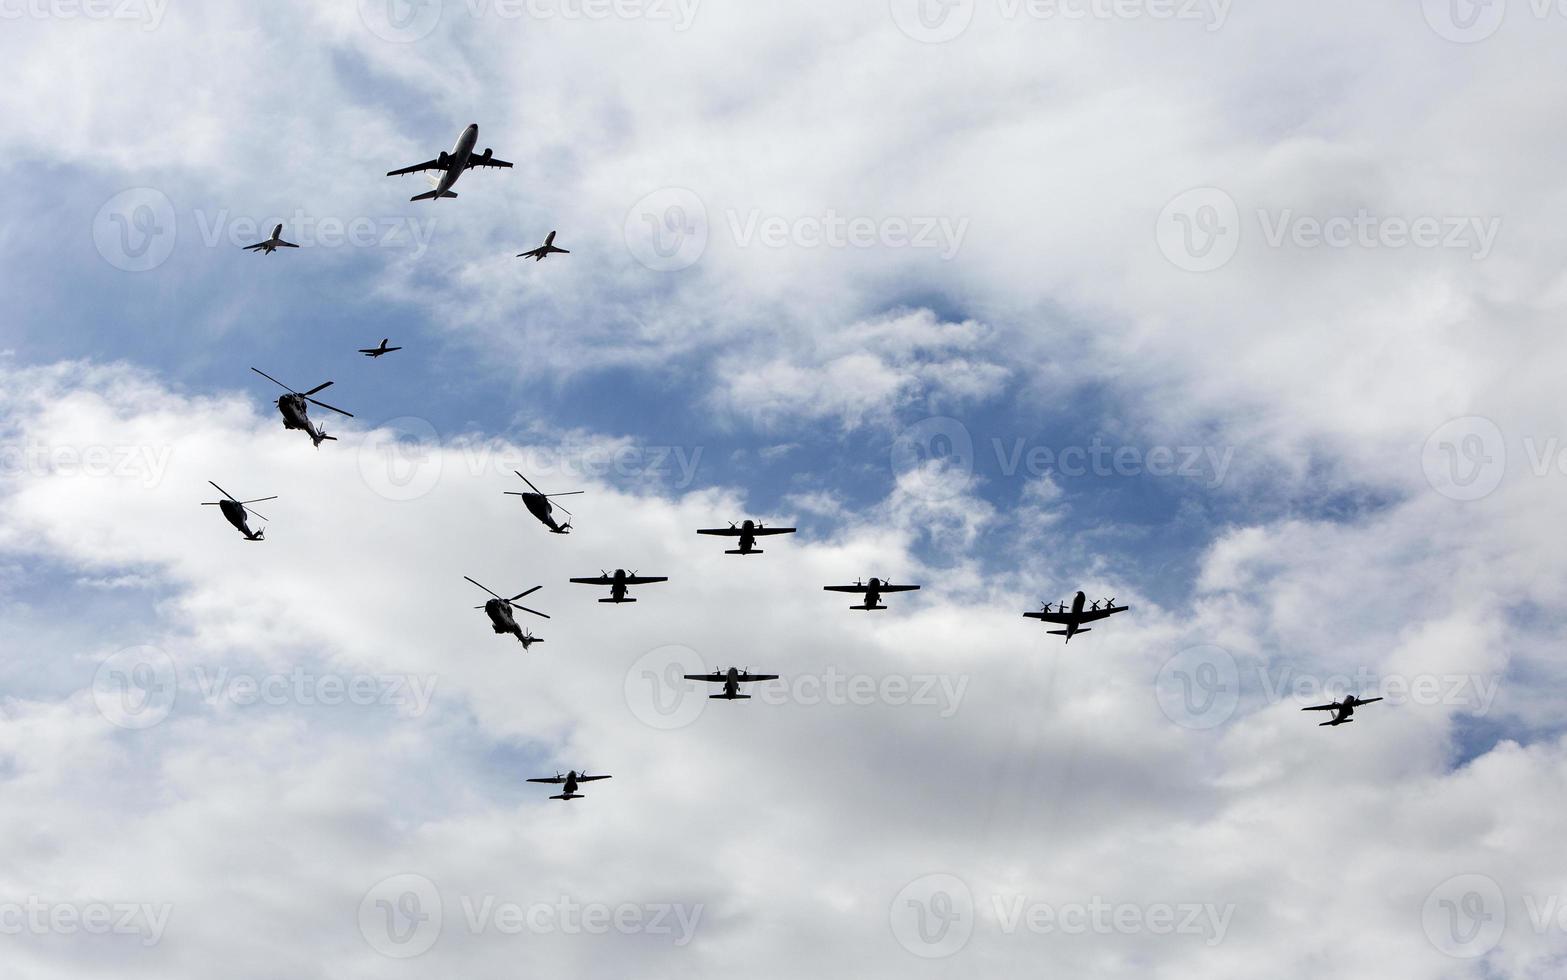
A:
<point x="538" y="504"/>
<point x="236" y="511"/>
<point x="295" y="412"/>
<point x="500" y="612"/>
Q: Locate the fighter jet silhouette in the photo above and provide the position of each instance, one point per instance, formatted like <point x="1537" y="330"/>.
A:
<point x="547" y="248"/>
<point x="272" y="244"/>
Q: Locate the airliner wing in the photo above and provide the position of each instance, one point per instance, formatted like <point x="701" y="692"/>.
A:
<point x="427" y="165"/>
<point x="475" y="160"/>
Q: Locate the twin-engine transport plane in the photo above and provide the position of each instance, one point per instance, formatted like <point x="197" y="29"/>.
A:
<point x="747" y="532"/>
<point x="872" y="590"/>
<point x="295" y="414"/>
<point x="548" y="248"/>
<point x="451" y="165"/>
<point x="236" y="510"/>
<point x="1074" y="618"/>
<point x="1342" y="710"/>
<point x="571" y="779"/>
<point x="619" y="581"/>
<point x="378" y="351"/>
<point x="731" y="679"/>
<point x="539" y="505"/>
<point x="271" y="244"/>
<point x="500" y="612"/>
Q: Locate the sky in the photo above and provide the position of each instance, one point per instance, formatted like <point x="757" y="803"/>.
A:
<point x="1246" y="315"/>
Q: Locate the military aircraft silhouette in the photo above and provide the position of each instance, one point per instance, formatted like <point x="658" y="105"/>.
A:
<point x="272" y="244"/>
<point x="618" y="582"/>
<point x="731" y="679"/>
<point x="236" y="510"/>
<point x="872" y="590"/>
<point x="571" y="779"/>
<point x="500" y="612"/>
<point x="378" y="351"/>
<point x="1074" y="619"/>
<point x="452" y="165"/>
<point x="539" y="506"/>
<point x="1342" y="710"/>
<point x="747" y="532"/>
<point x="548" y="248"/>
<point x="295" y="415"/>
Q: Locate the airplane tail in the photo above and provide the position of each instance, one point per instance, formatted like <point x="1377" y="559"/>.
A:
<point x="1330" y="724"/>
<point x="1068" y="633"/>
<point x="567" y="796"/>
<point x="611" y="599"/>
<point x="731" y="697"/>
<point x="737" y="551"/>
<point x="867" y="607"/>
<point x="432" y="195"/>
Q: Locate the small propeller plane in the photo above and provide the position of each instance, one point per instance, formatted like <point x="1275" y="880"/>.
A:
<point x="500" y="612"/>
<point x="1343" y="710"/>
<point x="295" y="413"/>
<point x="1074" y="619"/>
<point x="452" y="165"/>
<point x="571" y="779"/>
<point x="271" y="244"/>
<point x="548" y="248"/>
<point x="236" y="511"/>
<point x="378" y="351"/>
<point x="731" y="679"/>
<point x="872" y="590"/>
<point x="747" y="532"/>
<point x="619" y="582"/>
<point x="539" y="505"/>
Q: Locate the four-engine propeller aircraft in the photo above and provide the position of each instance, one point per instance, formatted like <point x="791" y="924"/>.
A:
<point x="295" y="415"/>
<point x="618" y="583"/>
<point x="452" y="165"/>
<point x="500" y="612"/>
<point x="378" y="351"/>
<point x="872" y="590"/>
<point x="731" y="679"/>
<point x="1074" y="618"/>
<point x="272" y="244"/>
<point x="1342" y="710"/>
<point x="571" y="779"/>
<point x="539" y="505"/>
<point x="236" y="510"/>
<point x="548" y="248"/>
<point x="747" y="532"/>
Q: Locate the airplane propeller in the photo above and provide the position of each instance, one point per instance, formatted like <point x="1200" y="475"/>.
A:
<point x="305" y="394"/>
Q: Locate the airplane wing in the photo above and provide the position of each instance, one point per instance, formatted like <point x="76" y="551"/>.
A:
<point x="1050" y="617"/>
<point x="1092" y="615"/>
<point x="710" y="678"/>
<point x="255" y="246"/>
<point x="757" y="677"/>
<point x="846" y="588"/>
<point x="1323" y="707"/>
<point x="475" y="160"/>
<point x="283" y="244"/>
<point x="595" y="580"/>
<point x="548" y="779"/>
<point x="369" y="350"/>
<point x="528" y="255"/>
<point x="899" y="588"/>
<point x="1369" y="700"/>
<point x="645" y="579"/>
<point x="772" y="530"/>
<point x="727" y="532"/>
<point x="584" y="779"/>
<point x="427" y="165"/>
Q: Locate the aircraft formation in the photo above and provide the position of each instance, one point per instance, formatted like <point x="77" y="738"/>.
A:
<point x="444" y="171"/>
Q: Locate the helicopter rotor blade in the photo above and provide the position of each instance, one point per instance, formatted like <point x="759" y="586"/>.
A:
<point x="224" y="492"/>
<point x="253" y="513"/>
<point x="527" y="610"/>
<point x="528" y="482"/>
<point x="485" y="588"/>
<point x="272" y="379"/>
<point x="325" y="405"/>
<point x="523" y="594"/>
<point x="562" y="509"/>
<point x="259" y="499"/>
<point x="320" y="387"/>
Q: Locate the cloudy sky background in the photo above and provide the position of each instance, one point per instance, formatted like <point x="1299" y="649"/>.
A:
<point x="1247" y="315"/>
